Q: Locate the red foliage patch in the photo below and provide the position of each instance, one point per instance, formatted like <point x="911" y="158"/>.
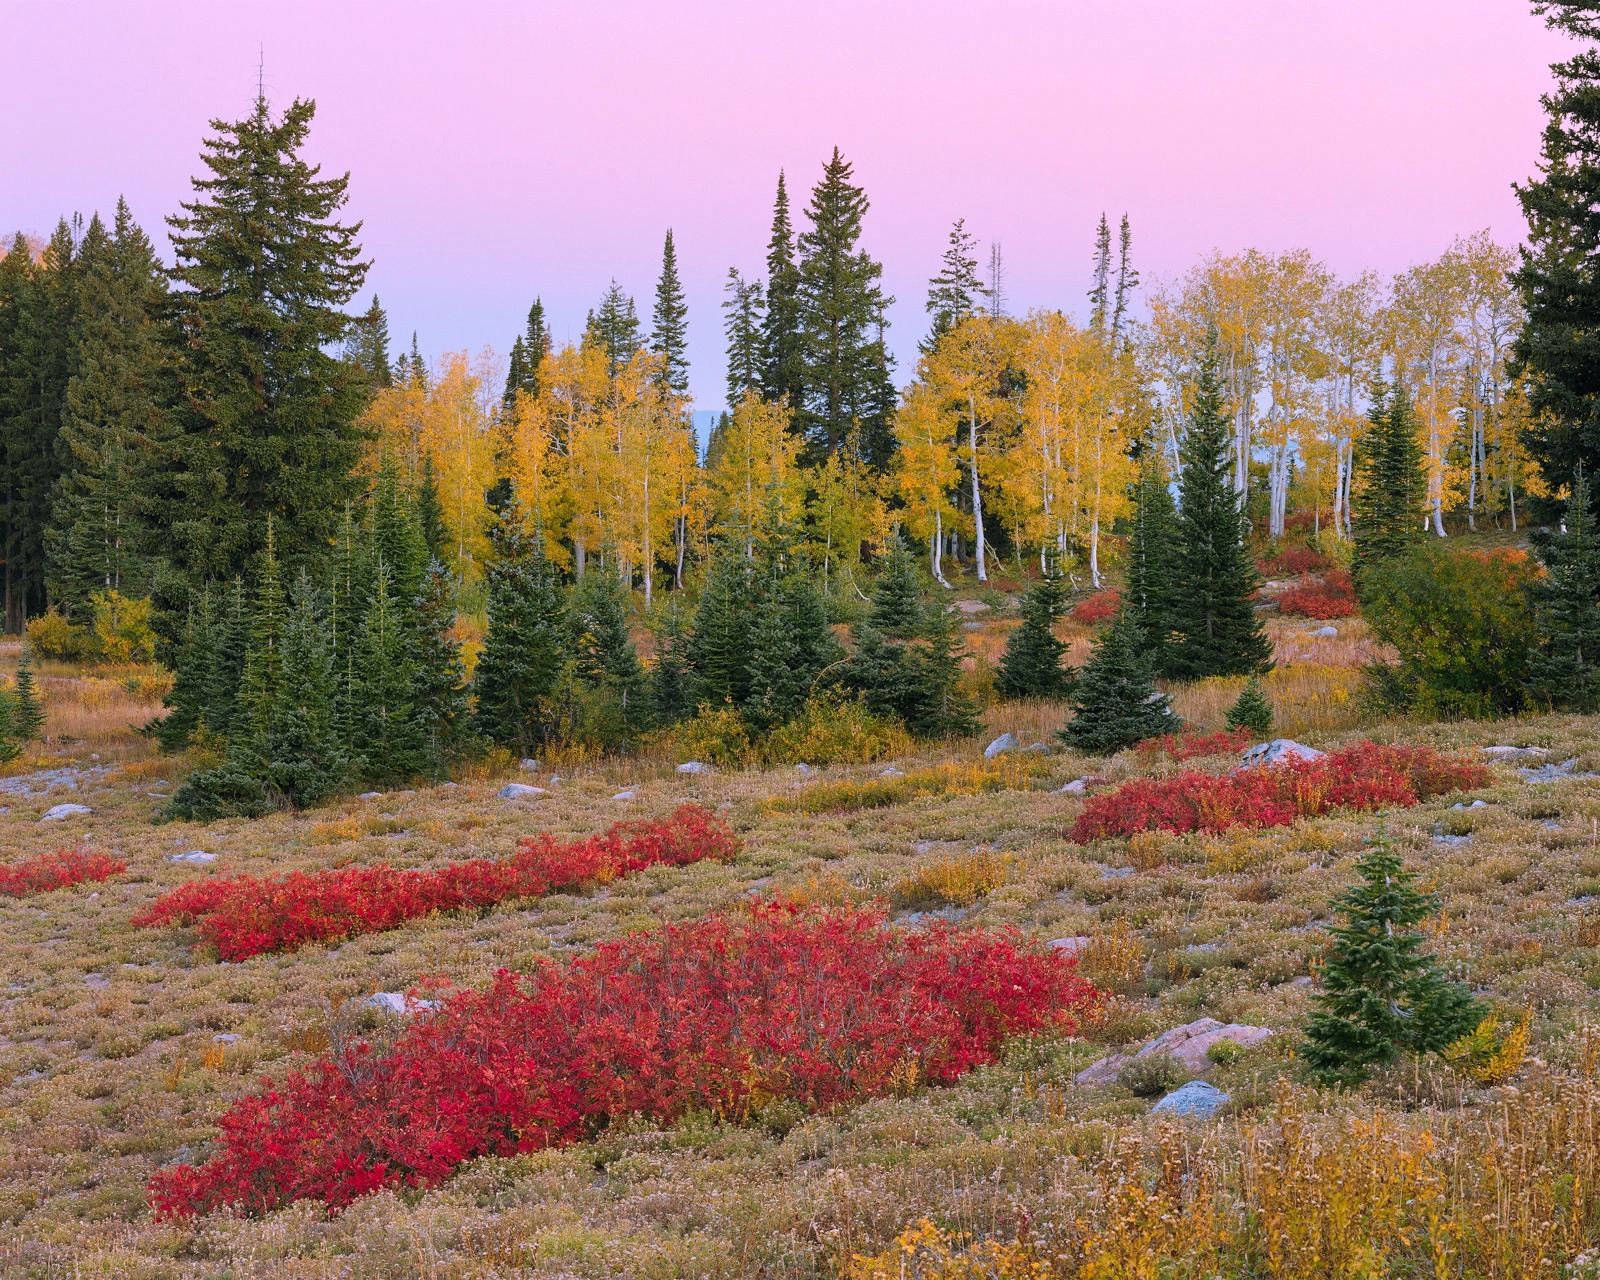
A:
<point x="1191" y="746"/>
<point x="1362" y="776"/>
<point x="727" y="1014"/>
<point x="1098" y="608"/>
<point x="1333" y="596"/>
<point x="246" y="916"/>
<point x="56" y="870"/>
<point x="1293" y="562"/>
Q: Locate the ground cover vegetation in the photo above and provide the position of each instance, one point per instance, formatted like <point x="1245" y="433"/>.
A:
<point x="893" y="1012"/>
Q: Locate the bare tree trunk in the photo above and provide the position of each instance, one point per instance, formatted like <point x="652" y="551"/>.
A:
<point x="977" y="493"/>
<point x="936" y="547"/>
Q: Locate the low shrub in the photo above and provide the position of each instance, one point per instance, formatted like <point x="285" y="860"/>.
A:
<point x="1190" y="745"/>
<point x="731" y="1014"/>
<point x="52" y="635"/>
<point x="245" y="916"/>
<point x="1098" y="608"/>
<point x="1362" y="776"/>
<point x="118" y="630"/>
<point x="846" y="796"/>
<point x="1293" y="562"/>
<point x="1331" y="596"/>
<point x="828" y="730"/>
<point x="57" y="870"/>
<point x="1151" y="1076"/>
<point x="957" y="882"/>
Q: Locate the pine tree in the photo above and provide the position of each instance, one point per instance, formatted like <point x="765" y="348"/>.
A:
<point x="1127" y="282"/>
<point x="669" y="329"/>
<point x="516" y="378"/>
<point x="1557" y="352"/>
<point x="955" y="292"/>
<point x="1100" y="290"/>
<point x="1152" y="555"/>
<point x="671" y="677"/>
<point x="267" y="420"/>
<point x="841" y="308"/>
<point x="27" y="712"/>
<point x="896" y="599"/>
<point x="1382" y="994"/>
<point x="943" y="708"/>
<point x="303" y="759"/>
<point x="721" y="641"/>
<point x="18" y="289"/>
<point x="229" y="651"/>
<point x="439" y="694"/>
<point x="430" y="511"/>
<point x="117" y="407"/>
<point x="1388" y="517"/>
<point x="1215" y="628"/>
<point x="782" y="346"/>
<point x="791" y="644"/>
<point x="1564" y="669"/>
<point x="388" y="740"/>
<point x="524" y="644"/>
<point x="395" y="535"/>
<point x="367" y="347"/>
<point x="528" y="349"/>
<point x="606" y="660"/>
<point x="747" y="357"/>
<point x="193" y="676"/>
<point x="263" y="660"/>
<point x="1252" y="711"/>
<point x="614" y="326"/>
<point x="1031" y="666"/>
<point x="1115" y="704"/>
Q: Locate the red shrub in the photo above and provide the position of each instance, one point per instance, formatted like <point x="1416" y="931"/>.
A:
<point x="246" y="916"/>
<point x="1098" y="608"/>
<point x="1333" y="596"/>
<point x="56" y="870"/>
<point x="727" y="1014"/>
<point x="1191" y="746"/>
<point x="1293" y="563"/>
<point x="1362" y="776"/>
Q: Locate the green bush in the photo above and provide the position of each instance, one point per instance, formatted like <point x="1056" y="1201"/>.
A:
<point x="1157" y="1074"/>
<point x="1462" y="622"/>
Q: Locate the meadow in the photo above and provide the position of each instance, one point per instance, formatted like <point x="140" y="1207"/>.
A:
<point x="122" y="1045"/>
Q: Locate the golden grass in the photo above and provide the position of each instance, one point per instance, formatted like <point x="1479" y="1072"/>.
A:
<point x="957" y="881"/>
<point x="1007" y="773"/>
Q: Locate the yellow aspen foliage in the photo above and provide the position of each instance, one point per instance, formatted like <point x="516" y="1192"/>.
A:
<point x="847" y="513"/>
<point x="927" y="469"/>
<point x="752" y="467"/>
<point x="536" y="464"/>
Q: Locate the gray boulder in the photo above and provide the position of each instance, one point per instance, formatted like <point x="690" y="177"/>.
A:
<point x="1191" y="1043"/>
<point x="194" y="855"/>
<point x="1323" y="633"/>
<point x="695" y="767"/>
<point x="399" y="1004"/>
<point x="61" y="811"/>
<point x="521" y="791"/>
<point x="1279" y="749"/>
<point x="1196" y="1100"/>
<point x="1004" y="743"/>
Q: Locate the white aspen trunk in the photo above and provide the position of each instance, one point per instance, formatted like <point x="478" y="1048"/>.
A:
<point x="977" y="492"/>
<point x="646" y="550"/>
<point x="1094" y="551"/>
<point x="582" y="557"/>
<point x="936" y="548"/>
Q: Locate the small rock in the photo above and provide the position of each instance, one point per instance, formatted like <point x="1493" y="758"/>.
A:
<point x="804" y="768"/>
<point x="1555" y="772"/>
<point x="1104" y="1071"/>
<point x="1004" y="743"/>
<point x="1037" y="747"/>
<point x="1323" y="633"/>
<point x="194" y="855"/>
<point x="1450" y="841"/>
<point x="400" y="1004"/>
<point x="1268" y="753"/>
<point x="1074" y="788"/>
<point x="623" y="795"/>
<point x="1196" y="1100"/>
<point x="972" y="606"/>
<point x="1069" y="946"/>
<point x="697" y="767"/>
<point x="94" y="897"/>
<point x="1516" y="753"/>
<point x="64" y="811"/>
<point x="521" y="791"/>
<point x="370" y="795"/>
<point x="1304" y="980"/>
<point x="1476" y="804"/>
<point x="555" y="779"/>
<point x="98" y="981"/>
<point x="530" y="765"/>
<point x="1115" y="873"/>
<point x="226" y="1037"/>
<point x="892" y="772"/>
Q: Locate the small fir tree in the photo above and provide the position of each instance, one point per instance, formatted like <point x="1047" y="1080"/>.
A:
<point x="943" y="707"/>
<point x="1115" y="704"/>
<point x="671" y="676"/>
<point x="669" y="331"/>
<point x="1152" y="554"/>
<point x="439" y="695"/>
<point x="1215" y="628"/>
<point x="430" y="511"/>
<point x="792" y="646"/>
<point x="27" y="712"/>
<point x="186" y="702"/>
<point x="1382" y="994"/>
<point x="607" y="662"/>
<point x="896" y="600"/>
<point x="1031" y="666"/>
<point x="1252" y="711"/>
<point x="721" y="643"/>
<point x="1564" y="667"/>
<point x="302" y="758"/>
<point x="524" y="644"/>
<point x="1387" y="521"/>
<point x="387" y="738"/>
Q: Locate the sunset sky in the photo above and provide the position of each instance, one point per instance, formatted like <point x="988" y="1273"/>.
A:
<point x="503" y="150"/>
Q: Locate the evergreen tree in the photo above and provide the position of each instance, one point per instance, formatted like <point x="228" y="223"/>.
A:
<point x="117" y="406"/>
<point x="1031" y="666"/>
<point x="943" y="708"/>
<point x="841" y="307"/>
<point x="263" y="660"/>
<point x="395" y="536"/>
<point x="1114" y="704"/>
<point x="528" y="349"/>
<point x="671" y="677"/>
<point x="1127" y="282"/>
<point x="1564" y="669"/>
<point x="430" y="511"/>
<point x="193" y="676"/>
<point x="388" y="740"/>
<point x="523" y="647"/>
<point x="267" y="419"/>
<point x="516" y="378"/>
<point x="1215" y="628"/>
<point x="606" y="660"/>
<point x="367" y="347"/>
<point x="743" y="329"/>
<point x="27" y="712"/>
<point x="1100" y="290"/>
<point x="782" y="345"/>
<point x="1557" y="352"/>
<point x="18" y="286"/>
<point x="1152" y="554"/>
<point x="724" y="624"/>
<point x="1389" y="504"/>
<point x="896" y="599"/>
<point x="1252" y="711"/>
<point x="614" y="325"/>
<point x="669" y="332"/>
<point x="955" y="292"/>
<point x="791" y="644"/>
<point x="1382" y="994"/>
<point x="227" y="662"/>
<point x="411" y="370"/>
<point x="439" y="695"/>
<point x="883" y="675"/>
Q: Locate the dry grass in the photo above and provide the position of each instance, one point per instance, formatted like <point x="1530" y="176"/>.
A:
<point x="109" y="1066"/>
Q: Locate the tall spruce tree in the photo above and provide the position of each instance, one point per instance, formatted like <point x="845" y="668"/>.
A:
<point x="528" y="349"/>
<point x="430" y="511"/>
<point x="18" y="282"/>
<point x="782" y="345"/>
<point x="742" y="327"/>
<point x="1152" y="564"/>
<point x="956" y="292"/>
<point x="387" y="733"/>
<point x="1557" y="352"/>
<point x="841" y="306"/>
<point x="117" y="408"/>
<point x="1114" y="702"/>
<point x="1031" y="666"/>
<point x="524" y="646"/>
<point x="439" y="695"/>
<point x="1564" y="669"/>
<point x="1215" y="630"/>
<point x="1382" y="994"/>
<point x="267" y="419"/>
<point x="669" y="321"/>
<point x="1388" y="518"/>
<point x="614" y="327"/>
<point x="367" y="347"/>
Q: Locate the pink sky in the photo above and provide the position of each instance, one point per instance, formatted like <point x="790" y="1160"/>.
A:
<point x="502" y="150"/>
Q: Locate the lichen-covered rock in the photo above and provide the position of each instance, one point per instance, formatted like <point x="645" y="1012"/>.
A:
<point x="1004" y="743"/>
<point x="521" y="791"/>
<point x="1196" y="1100"/>
<point x="61" y="811"/>
<point x="1267" y="753"/>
